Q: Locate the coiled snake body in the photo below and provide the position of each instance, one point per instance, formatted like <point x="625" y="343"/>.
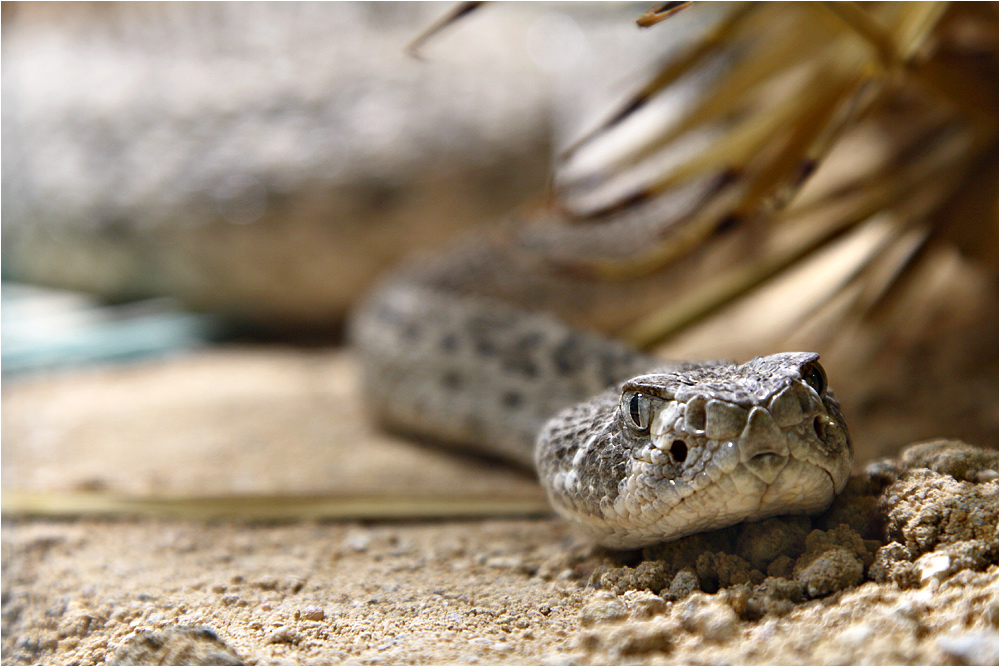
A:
<point x="635" y="451"/>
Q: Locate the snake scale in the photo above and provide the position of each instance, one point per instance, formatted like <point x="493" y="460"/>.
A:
<point x="631" y="449"/>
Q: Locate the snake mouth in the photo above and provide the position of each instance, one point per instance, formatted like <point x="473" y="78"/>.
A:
<point x="801" y="487"/>
<point x="803" y="466"/>
<point x="833" y="482"/>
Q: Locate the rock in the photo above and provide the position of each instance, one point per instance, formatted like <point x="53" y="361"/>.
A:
<point x="841" y="536"/>
<point x="953" y="457"/>
<point x="313" y="613"/>
<point x="882" y="472"/>
<point x="358" y="541"/>
<point x="604" y="607"/>
<point x="266" y="162"/>
<point x="504" y="562"/>
<point x="782" y="566"/>
<point x="935" y="565"/>
<point x="650" y="575"/>
<point x="245" y="182"/>
<point x="762" y="542"/>
<point x="721" y="570"/>
<point x="639" y="638"/>
<point x="643" y="605"/>
<point x="282" y="636"/>
<point x="926" y="510"/>
<point x="892" y="564"/>
<point x="833" y="560"/>
<point x="856" y="507"/>
<point x="684" y="583"/>
<point x="179" y="645"/>
<point x="709" y="617"/>
<point x="777" y="595"/>
<point x="830" y="571"/>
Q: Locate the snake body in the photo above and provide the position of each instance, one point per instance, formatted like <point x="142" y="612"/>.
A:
<point x="633" y="450"/>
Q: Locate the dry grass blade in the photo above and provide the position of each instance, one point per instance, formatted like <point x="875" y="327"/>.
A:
<point x="763" y="154"/>
<point x="869" y="29"/>
<point x="728" y="99"/>
<point x="877" y="301"/>
<point x="895" y="45"/>
<point x="785" y="245"/>
<point x="909" y="189"/>
<point x="902" y="198"/>
<point x="460" y="11"/>
<point x="716" y="38"/>
<point x="271" y="507"/>
<point x="661" y="13"/>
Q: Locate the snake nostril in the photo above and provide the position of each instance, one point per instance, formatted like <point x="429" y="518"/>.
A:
<point x="679" y="450"/>
<point x="819" y="426"/>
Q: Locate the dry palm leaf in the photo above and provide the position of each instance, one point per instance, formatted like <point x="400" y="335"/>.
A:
<point x="778" y="88"/>
<point x="807" y="77"/>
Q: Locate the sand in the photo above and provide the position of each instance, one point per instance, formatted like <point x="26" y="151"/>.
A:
<point x="138" y="529"/>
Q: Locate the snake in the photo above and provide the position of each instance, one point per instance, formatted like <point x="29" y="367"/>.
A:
<point x="631" y="449"/>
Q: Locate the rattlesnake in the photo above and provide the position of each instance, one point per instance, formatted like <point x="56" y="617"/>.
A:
<point x="634" y="450"/>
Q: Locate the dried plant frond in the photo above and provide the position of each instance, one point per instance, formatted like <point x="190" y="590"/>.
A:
<point x="660" y="13"/>
<point x="460" y="11"/>
<point x="797" y="80"/>
<point x="768" y="97"/>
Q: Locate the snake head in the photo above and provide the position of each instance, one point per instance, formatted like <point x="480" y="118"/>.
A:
<point x="724" y="443"/>
<point x="707" y="446"/>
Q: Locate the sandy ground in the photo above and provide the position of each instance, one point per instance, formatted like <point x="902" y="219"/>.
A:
<point x="455" y="591"/>
<point x="903" y="570"/>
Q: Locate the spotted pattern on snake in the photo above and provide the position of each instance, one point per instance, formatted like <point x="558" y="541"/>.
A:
<point x="632" y="449"/>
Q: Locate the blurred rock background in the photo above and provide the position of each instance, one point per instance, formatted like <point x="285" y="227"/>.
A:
<point x="266" y="161"/>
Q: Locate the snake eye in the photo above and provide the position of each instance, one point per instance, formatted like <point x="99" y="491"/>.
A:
<point x="636" y="407"/>
<point x="815" y="377"/>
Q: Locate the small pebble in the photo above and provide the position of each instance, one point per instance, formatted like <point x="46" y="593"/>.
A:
<point x="645" y="605"/>
<point x="358" y="542"/>
<point x="313" y="613"/>
<point x="855" y="636"/>
<point x="709" y="617"/>
<point x="644" y="637"/>
<point x="934" y="565"/>
<point x="504" y="562"/>
<point x="833" y="570"/>
<point x="176" y="645"/>
<point x="604" y="607"/>
<point x="282" y="636"/>
<point x="684" y="583"/>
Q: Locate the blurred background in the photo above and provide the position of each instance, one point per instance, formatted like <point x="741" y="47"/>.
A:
<point x="266" y="161"/>
<point x="182" y="176"/>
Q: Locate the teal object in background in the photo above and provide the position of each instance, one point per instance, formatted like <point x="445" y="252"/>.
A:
<point x="43" y="329"/>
